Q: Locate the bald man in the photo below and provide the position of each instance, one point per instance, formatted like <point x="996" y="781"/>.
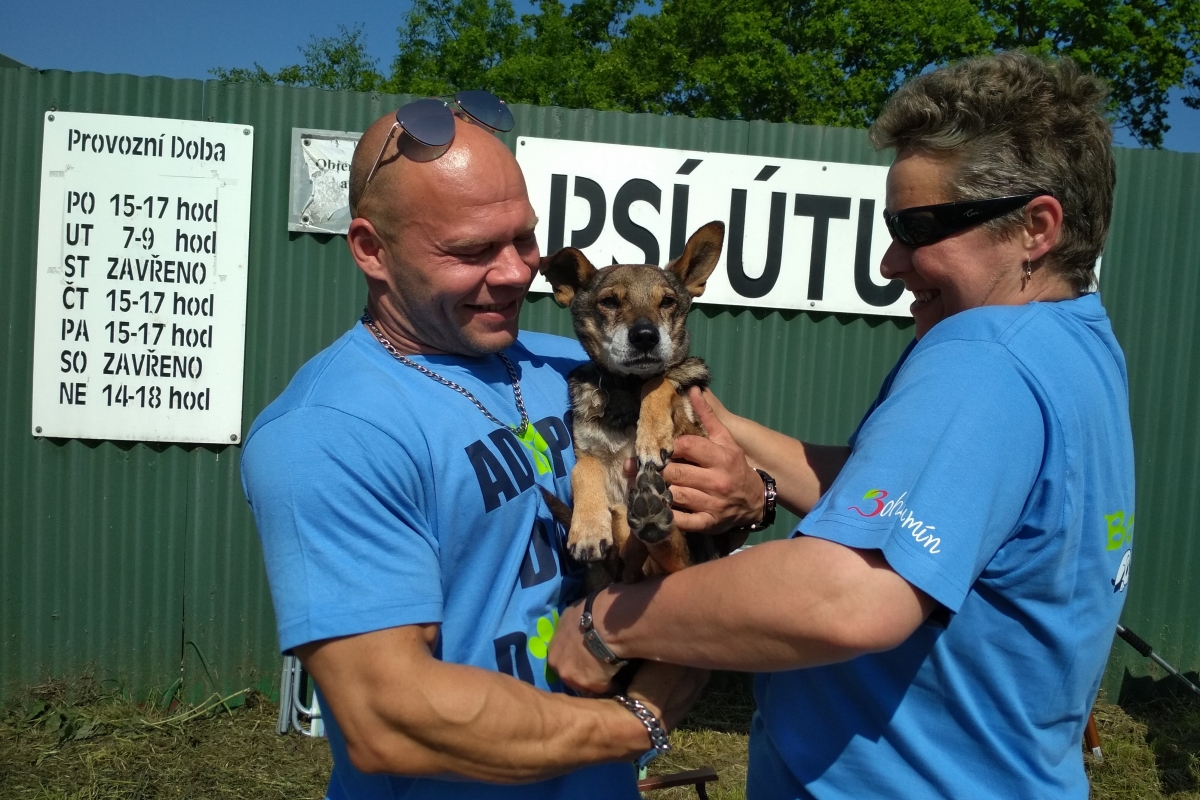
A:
<point x="415" y="568"/>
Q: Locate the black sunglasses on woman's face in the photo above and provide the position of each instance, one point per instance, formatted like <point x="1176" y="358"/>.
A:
<point x="914" y="227"/>
<point x="431" y="121"/>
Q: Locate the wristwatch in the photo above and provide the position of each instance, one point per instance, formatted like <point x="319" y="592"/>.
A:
<point x="769" y="496"/>
<point x="659" y="743"/>
<point x="591" y="637"/>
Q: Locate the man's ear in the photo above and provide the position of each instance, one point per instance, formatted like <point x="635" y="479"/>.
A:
<point x="699" y="257"/>
<point x="366" y="248"/>
<point x="568" y="271"/>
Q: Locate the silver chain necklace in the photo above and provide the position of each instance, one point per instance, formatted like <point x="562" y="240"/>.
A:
<point x="521" y="430"/>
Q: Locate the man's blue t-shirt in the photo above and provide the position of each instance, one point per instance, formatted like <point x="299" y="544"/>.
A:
<point x="383" y="498"/>
<point x="995" y="473"/>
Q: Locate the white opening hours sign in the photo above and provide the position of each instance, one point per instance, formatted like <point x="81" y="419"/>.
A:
<point x="143" y="237"/>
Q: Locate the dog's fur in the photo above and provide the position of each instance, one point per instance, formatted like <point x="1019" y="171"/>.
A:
<point x="631" y="400"/>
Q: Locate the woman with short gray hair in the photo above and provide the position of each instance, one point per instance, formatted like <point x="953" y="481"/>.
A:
<point x="1014" y="124"/>
<point x="938" y="624"/>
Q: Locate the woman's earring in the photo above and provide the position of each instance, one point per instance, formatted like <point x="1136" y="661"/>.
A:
<point x="1028" y="273"/>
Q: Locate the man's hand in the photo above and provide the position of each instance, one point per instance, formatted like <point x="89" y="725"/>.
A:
<point x="668" y="690"/>
<point x="572" y="661"/>
<point x="713" y="485"/>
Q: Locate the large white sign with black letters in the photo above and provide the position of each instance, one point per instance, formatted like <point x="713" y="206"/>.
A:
<point x="143" y="237"/>
<point x="798" y="234"/>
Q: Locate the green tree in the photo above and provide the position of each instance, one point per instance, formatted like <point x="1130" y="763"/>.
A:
<point x="815" y="61"/>
<point x="332" y="62"/>
<point x="1143" y="48"/>
<point x="828" y="62"/>
<point x="556" y="56"/>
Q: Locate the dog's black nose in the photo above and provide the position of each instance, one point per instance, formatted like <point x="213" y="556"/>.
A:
<point x="643" y="335"/>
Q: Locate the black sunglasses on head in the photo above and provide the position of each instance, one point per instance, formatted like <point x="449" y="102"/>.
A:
<point x="923" y="225"/>
<point x="431" y="121"/>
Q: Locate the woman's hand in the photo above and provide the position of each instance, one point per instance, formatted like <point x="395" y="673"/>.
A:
<point x="712" y="483"/>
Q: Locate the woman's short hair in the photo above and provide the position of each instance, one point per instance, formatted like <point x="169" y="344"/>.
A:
<point x="1015" y="123"/>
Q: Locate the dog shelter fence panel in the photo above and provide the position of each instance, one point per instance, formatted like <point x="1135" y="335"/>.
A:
<point x="139" y="562"/>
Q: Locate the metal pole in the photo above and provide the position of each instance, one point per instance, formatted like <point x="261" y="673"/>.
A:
<point x="285" y="696"/>
<point x="1139" y="644"/>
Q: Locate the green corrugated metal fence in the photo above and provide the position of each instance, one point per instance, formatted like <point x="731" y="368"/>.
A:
<point x="139" y="562"/>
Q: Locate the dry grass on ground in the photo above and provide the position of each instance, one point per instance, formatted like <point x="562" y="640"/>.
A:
<point x="60" y="742"/>
<point x="75" y="742"/>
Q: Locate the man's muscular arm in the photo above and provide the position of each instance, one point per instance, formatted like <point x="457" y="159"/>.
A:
<point x="404" y="712"/>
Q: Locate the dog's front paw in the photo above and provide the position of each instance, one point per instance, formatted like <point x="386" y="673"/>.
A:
<point x="655" y="442"/>
<point x="650" y="516"/>
<point x="590" y="540"/>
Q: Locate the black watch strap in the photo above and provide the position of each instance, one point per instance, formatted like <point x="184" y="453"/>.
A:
<point x="591" y="637"/>
<point x="769" y="497"/>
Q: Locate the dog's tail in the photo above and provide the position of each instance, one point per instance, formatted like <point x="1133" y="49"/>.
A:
<point x="558" y="509"/>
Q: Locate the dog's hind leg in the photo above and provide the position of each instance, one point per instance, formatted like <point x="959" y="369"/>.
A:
<point x="631" y="549"/>
<point x="671" y="554"/>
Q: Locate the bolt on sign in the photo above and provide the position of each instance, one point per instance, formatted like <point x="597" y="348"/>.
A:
<point x="140" y="316"/>
<point x="798" y="234"/>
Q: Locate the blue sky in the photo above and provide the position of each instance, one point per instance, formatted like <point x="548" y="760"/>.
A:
<point x="185" y="40"/>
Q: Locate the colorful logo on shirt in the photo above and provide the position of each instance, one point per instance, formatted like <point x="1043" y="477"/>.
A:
<point x="920" y="532"/>
<point x="539" y="643"/>
<point x="1120" y="529"/>
<point x="1121" y="581"/>
<point x="872" y="494"/>
<point x="536" y="444"/>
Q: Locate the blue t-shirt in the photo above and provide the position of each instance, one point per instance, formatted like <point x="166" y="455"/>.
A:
<point x="995" y="473"/>
<point x="383" y="498"/>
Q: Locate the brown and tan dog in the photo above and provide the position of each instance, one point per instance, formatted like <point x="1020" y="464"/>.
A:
<point x="631" y="400"/>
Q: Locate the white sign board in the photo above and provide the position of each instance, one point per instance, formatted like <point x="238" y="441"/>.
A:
<point x="143" y="236"/>
<point x="798" y="234"/>
<point x="319" y="185"/>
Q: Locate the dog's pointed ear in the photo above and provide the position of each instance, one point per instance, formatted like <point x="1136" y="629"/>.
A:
<point x="568" y="271"/>
<point x="699" y="258"/>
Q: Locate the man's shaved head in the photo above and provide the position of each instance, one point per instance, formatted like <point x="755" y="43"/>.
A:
<point x="406" y="162"/>
<point x="445" y="237"/>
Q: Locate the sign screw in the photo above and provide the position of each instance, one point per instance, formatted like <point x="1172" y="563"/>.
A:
<point x="51" y="118"/>
<point x="232" y="436"/>
<point x="38" y="429"/>
<point x="812" y="304"/>
<point x="246" y="131"/>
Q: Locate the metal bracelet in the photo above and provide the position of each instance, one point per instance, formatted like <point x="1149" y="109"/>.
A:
<point x="658" y="735"/>
<point x="591" y="637"/>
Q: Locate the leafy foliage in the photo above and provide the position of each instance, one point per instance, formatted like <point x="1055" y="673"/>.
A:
<point x="828" y="62"/>
<point x="333" y="62"/>
<point x="1143" y="48"/>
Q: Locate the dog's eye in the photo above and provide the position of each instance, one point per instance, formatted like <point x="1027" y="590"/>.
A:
<point x="667" y="302"/>
<point x="609" y="301"/>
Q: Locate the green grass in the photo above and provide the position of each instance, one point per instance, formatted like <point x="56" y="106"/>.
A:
<point x="76" y="742"/>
